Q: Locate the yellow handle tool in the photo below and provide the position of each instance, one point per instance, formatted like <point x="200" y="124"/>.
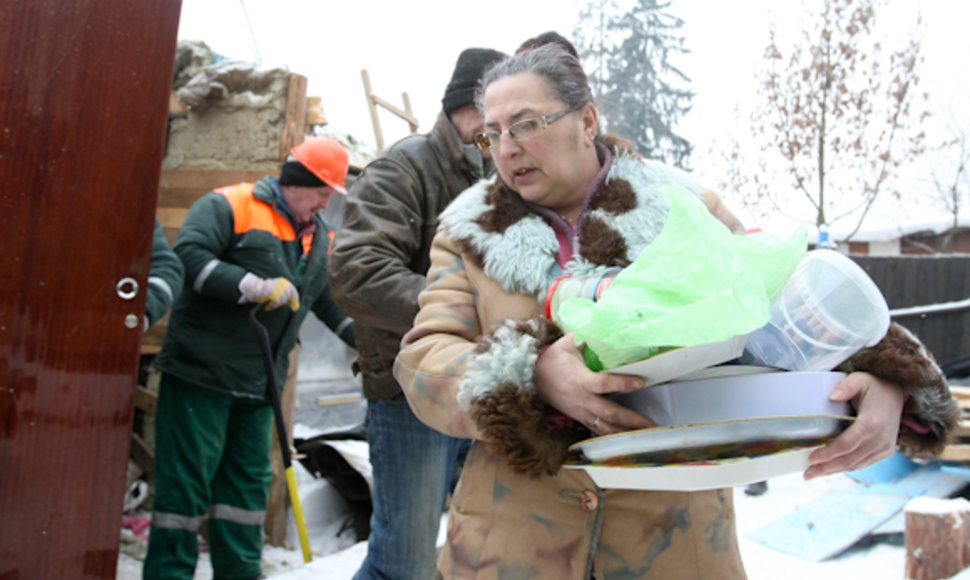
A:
<point x="274" y="395"/>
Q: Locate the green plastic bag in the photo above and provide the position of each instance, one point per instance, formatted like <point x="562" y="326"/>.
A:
<point x="696" y="283"/>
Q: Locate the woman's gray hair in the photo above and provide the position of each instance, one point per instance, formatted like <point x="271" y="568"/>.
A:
<point x="563" y="71"/>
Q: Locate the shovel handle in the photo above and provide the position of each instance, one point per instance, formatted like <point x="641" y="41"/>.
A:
<point x="274" y="395"/>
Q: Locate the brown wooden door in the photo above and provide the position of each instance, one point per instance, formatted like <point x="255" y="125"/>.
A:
<point x="84" y="88"/>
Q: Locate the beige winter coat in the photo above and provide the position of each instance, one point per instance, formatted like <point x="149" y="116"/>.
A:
<point x="468" y="363"/>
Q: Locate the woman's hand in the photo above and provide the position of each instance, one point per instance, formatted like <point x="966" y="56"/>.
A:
<point x="872" y="436"/>
<point x="563" y="381"/>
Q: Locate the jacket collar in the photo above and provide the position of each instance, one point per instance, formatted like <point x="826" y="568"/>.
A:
<point x="517" y="247"/>
<point x="559" y="222"/>
<point x="268" y="190"/>
<point x="452" y="141"/>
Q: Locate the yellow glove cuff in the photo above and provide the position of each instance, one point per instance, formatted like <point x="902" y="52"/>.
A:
<point x="277" y="291"/>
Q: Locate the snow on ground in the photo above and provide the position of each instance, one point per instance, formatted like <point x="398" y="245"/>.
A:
<point x="878" y="561"/>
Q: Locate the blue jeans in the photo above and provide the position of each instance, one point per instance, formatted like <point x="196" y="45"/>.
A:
<point x="414" y="469"/>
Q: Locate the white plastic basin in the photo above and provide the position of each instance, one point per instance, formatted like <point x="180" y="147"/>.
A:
<point x="738" y="396"/>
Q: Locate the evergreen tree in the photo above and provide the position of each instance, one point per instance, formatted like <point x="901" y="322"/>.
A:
<point x="628" y="53"/>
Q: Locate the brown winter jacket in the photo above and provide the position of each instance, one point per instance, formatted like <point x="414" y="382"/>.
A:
<point x="380" y="256"/>
<point x="467" y="369"/>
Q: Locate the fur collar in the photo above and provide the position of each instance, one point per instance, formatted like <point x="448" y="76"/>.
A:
<point x="518" y="248"/>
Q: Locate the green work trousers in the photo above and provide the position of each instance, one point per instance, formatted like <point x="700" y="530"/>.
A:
<point x="212" y="456"/>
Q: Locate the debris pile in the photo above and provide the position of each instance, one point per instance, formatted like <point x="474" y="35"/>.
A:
<point x="224" y="114"/>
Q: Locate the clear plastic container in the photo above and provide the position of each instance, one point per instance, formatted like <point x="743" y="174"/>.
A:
<point x="567" y="286"/>
<point x="828" y="310"/>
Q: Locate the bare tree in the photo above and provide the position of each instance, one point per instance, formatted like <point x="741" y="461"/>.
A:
<point x="951" y="177"/>
<point x="836" y="117"/>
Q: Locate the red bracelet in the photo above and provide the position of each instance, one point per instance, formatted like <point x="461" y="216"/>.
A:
<point x="552" y="290"/>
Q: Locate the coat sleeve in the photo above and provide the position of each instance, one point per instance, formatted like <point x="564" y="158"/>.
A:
<point x="434" y="354"/>
<point x="471" y="382"/>
<point x="334" y="317"/>
<point x="166" y="276"/>
<point x="381" y="234"/>
<point x="206" y="236"/>
<point x="931" y="413"/>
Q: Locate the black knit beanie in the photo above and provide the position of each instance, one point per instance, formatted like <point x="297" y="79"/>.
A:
<point x="472" y="62"/>
<point x="294" y="173"/>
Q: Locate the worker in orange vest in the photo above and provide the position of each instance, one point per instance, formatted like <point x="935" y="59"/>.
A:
<point x="262" y="242"/>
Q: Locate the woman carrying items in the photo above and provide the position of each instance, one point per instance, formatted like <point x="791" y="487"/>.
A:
<point x="483" y="362"/>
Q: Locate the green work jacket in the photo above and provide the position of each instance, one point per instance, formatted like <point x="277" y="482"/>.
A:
<point x="228" y="232"/>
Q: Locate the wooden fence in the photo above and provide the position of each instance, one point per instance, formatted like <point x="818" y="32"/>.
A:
<point x="909" y="282"/>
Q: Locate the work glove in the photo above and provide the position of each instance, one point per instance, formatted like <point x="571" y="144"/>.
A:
<point x="275" y="292"/>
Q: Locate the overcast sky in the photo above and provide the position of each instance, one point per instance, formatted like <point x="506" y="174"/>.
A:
<point x="404" y="46"/>
<point x="412" y="47"/>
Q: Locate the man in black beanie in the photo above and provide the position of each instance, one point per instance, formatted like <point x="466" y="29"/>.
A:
<point x="468" y="71"/>
<point x="377" y="268"/>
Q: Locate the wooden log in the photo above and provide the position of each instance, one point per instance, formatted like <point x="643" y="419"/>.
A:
<point x="937" y="537"/>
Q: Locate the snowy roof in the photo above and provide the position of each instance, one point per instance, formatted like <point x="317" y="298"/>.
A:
<point x="884" y="229"/>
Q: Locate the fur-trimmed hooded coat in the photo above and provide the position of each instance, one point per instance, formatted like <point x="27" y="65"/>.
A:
<point x="467" y="369"/>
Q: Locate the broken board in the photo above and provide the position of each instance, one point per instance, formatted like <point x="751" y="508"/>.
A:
<point x="829" y="524"/>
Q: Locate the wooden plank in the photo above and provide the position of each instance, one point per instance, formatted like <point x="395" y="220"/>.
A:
<point x="372" y="107"/>
<point x="184" y="197"/>
<point x="961" y="393"/>
<point x="402" y="113"/>
<point x="171" y="234"/>
<point x="294" y="124"/>
<point x="172" y="217"/>
<point x="151" y="349"/>
<point x="314" y="112"/>
<point x="206" y="178"/>
<point x="151" y="341"/>
<point x="153" y="344"/>
<point x="338" y="400"/>
<point x="957" y="452"/>
<point x="182" y="187"/>
<point x="143" y="456"/>
<point x="145" y="400"/>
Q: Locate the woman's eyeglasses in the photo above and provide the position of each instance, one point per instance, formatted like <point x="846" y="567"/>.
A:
<point x="525" y="129"/>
